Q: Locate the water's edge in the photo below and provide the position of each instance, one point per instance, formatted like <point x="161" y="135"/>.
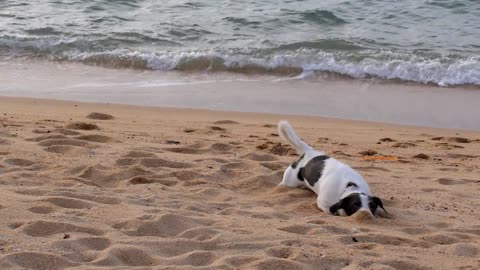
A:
<point x="370" y="100"/>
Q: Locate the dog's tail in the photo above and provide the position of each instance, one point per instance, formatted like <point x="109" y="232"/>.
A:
<point x="287" y="133"/>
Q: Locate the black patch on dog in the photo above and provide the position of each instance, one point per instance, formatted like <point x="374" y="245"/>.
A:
<point x="350" y="204"/>
<point x="295" y="163"/>
<point x="300" y="174"/>
<point x="351" y="184"/>
<point x="374" y="203"/>
<point x="313" y="169"/>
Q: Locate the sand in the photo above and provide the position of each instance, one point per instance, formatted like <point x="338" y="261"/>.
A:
<point x="148" y="188"/>
<point x="329" y="95"/>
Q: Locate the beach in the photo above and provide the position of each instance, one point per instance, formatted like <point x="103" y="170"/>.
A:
<point x="99" y="185"/>
<point x="143" y="134"/>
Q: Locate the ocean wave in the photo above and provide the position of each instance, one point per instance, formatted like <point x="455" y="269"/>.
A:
<point x="440" y="71"/>
<point x="304" y="60"/>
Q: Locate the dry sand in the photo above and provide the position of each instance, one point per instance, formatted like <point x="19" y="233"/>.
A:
<point x="189" y="189"/>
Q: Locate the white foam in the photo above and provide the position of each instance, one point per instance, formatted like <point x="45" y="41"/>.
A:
<point x="406" y="66"/>
<point x="440" y="71"/>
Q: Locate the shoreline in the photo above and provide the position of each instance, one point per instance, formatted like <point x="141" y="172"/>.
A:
<point x="370" y="100"/>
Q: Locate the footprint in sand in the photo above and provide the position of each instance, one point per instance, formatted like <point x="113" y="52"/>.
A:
<point x="97" y="138"/>
<point x="47" y="137"/>
<point x="42" y="228"/>
<point x="64" y="142"/>
<point x="302" y="229"/>
<point x="120" y="255"/>
<point x="460" y="156"/>
<point x="259" y="157"/>
<point x="186" y="150"/>
<point x="84" y="249"/>
<point x="58" y="139"/>
<point x="368" y="153"/>
<point x="189" y="130"/>
<point x="387" y="139"/>
<point x="264" y="182"/>
<point x="370" y="169"/>
<point x="415" y="230"/>
<point x="19" y="162"/>
<point x="281" y="252"/>
<point x="35" y="260"/>
<point x="66" y="132"/>
<point x="107" y="177"/>
<point x="238" y="261"/>
<point x="459" y="140"/>
<point x="127" y="161"/>
<point x="167" y="225"/>
<point x="100" y="116"/>
<point x="69" y="203"/>
<point x="278" y="263"/>
<point x="217" y="128"/>
<point x="93" y="243"/>
<point x="448" y="146"/>
<point x="216" y="148"/>
<point x="422" y="156"/>
<point x="440" y="239"/>
<point x="383" y="239"/>
<point x="449" y="182"/>
<point x="241" y="165"/>
<point x="226" y="122"/>
<point x="464" y="250"/>
<point x="159" y="163"/>
<point x="61" y="144"/>
<point x="448" y="169"/>
<point x="395" y="264"/>
<point x="135" y="157"/>
<point x="473" y="230"/>
<point x="404" y="145"/>
<point x="277" y="148"/>
<point x="195" y="258"/>
<point x="140" y="180"/>
<point x="99" y="197"/>
<point x="140" y="154"/>
<point x="221" y="147"/>
<point x="41" y="209"/>
<point x="4" y="142"/>
<point x="275" y="166"/>
<point x="199" y="234"/>
<point x="31" y="192"/>
<point x="82" y="126"/>
<point x="185" y="175"/>
<point x="429" y="190"/>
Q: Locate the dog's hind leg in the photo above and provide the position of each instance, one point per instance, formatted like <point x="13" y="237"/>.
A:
<point x="290" y="178"/>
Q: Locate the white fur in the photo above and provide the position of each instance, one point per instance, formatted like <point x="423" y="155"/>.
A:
<point x="331" y="187"/>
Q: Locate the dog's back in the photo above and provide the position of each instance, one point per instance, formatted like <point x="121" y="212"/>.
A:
<point x="293" y="175"/>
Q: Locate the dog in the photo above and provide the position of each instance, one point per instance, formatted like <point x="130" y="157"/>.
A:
<point x="341" y="190"/>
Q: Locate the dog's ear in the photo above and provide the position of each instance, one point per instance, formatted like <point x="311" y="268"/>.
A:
<point x="334" y="208"/>
<point x="379" y="203"/>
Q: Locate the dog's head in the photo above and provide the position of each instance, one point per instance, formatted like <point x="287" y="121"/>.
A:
<point x="355" y="202"/>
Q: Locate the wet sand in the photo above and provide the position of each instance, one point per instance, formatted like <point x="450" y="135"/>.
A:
<point x="328" y="96"/>
<point x="154" y="188"/>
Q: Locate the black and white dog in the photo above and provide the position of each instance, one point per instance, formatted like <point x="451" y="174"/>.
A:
<point x="340" y="189"/>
